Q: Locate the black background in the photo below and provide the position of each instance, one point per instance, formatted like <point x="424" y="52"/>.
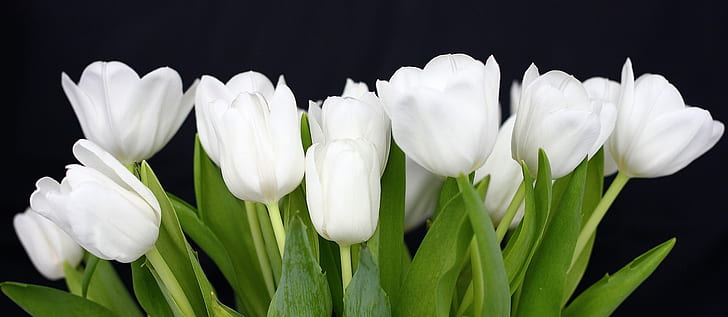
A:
<point x="317" y="46"/>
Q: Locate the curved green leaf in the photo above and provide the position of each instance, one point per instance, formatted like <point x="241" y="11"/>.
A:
<point x="364" y="295"/>
<point x="41" y="301"/>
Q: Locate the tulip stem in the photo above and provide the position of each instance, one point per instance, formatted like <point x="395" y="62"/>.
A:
<point x="505" y="222"/>
<point x="166" y="277"/>
<point x="599" y="211"/>
<point x="345" y="252"/>
<point x="275" y="219"/>
<point x="254" y="224"/>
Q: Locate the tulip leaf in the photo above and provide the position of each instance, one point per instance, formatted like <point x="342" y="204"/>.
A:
<point x="225" y="216"/>
<point x="303" y="289"/>
<point x="364" y="295"/>
<point x="88" y="272"/>
<point x="602" y="298"/>
<point x="389" y="235"/>
<point x="269" y="239"/>
<point x="429" y="286"/>
<point x="448" y="191"/>
<point x="214" y="307"/>
<point x="147" y="290"/>
<point x="41" y="301"/>
<point x="105" y="288"/>
<point x="544" y="282"/>
<point x="522" y="245"/>
<point x="295" y="203"/>
<point x="305" y="132"/>
<point x="331" y="264"/>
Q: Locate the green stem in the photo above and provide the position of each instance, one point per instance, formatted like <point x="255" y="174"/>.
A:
<point x="275" y="218"/>
<point x="345" y="252"/>
<point x="265" y="267"/>
<point x="477" y="280"/>
<point x="505" y="222"/>
<point x="170" y="282"/>
<point x="599" y="211"/>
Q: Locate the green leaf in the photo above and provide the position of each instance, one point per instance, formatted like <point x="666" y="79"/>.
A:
<point x="389" y="235"/>
<point x="214" y="307"/>
<point x="429" y="285"/>
<point x="448" y="191"/>
<point x="295" y="203"/>
<point x="331" y="264"/>
<point x="364" y="295"/>
<point x="147" y="290"/>
<point x="489" y="274"/>
<point x="602" y="298"/>
<point x="522" y="245"/>
<point x="88" y="272"/>
<point x="41" y="301"/>
<point x="269" y="240"/>
<point x="303" y="290"/>
<point x="225" y="216"/>
<point x="544" y="283"/>
<point x="105" y="288"/>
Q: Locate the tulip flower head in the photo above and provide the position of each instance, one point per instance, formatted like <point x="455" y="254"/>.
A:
<point x="445" y="116"/>
<point x="47" y="245"/>
<point x="101" y="205"/>
<point x="608" y="92"/>
<point x="422" y="190"/>
<point x="656" y="133"/>
<point x="130" y="117"/>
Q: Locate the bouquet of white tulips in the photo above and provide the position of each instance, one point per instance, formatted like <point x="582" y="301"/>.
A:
<point x="304" y="213"/>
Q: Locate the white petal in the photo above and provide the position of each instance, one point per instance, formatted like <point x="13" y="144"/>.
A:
<point x="354" y="89"/>
<point x="251" y="82"/>
<point x="285" y="131"/>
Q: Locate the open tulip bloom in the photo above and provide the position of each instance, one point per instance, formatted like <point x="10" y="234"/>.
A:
<point x="304" y="213"/>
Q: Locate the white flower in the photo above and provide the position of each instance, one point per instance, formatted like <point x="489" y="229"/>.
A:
<point x="343" y="189"/>
<point x="357" y="114"/>
<point x="130" y="117"/>
<point x="422" y="190"/>
<point x="556" y="114"/>
<point x="259" y="143"/>
<point x="47" y="245"/>
<point x="656" y="133"/>
<point x="445" y="116"/>
<point x="608" y="92"/>
<point x="101" y="205"/>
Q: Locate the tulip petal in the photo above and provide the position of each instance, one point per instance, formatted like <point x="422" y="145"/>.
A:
<point x="285" y="133"/>
<point x="251" y="82"/>
<point x="315" y="117"/>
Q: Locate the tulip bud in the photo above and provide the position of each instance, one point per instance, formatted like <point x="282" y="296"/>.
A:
<point x="100" y="205"/>
<point x="656" y="133"/>
<point x="359" y="114"/>
<point x="445" y="116"/>
<point x="556" y="114"/>
<point x="422" y="190"/>
<point x="505" y="176"/>
<point x="210" y="90"/>
<point x="343" y="189"/>
<point x="608" y="92"/>
<point x="130" y="117"/>
<point x="47" y="245"/>
<point x="259" y="138"/>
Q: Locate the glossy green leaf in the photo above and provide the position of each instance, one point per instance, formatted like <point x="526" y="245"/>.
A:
<point x="295" y="204"/>
<point x="489" y="274"/>
<point x="105" y="288"/>
<point x="331" y="264"/>
<point x="364" y="295"/>
<point x="448" y="191"/>
<point x="429" y="285"/>
<point x="602" y="298"/>
<point x="214" y="307"/>
<point x="147" y="290"/>
<point x="303" y="290"/>
<point x="41" y="301"/>
<point x="543" y="285"/>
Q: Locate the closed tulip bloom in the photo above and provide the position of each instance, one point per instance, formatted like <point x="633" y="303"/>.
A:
<point x="358" y="114"/>
<point x="210" y="90"/>
<point x="656" y="133"/>
<point x="47" y="245"/>
<point x="343" y="189"/>
<point x="556" y="114"/>
<point x="259" y="138"/>
<point x="608" y="92"/>
<point x="130" y="117"/>
<point x="422" y="190"/>
<point x="100" y="205"/>
<point x="445" y="116"/>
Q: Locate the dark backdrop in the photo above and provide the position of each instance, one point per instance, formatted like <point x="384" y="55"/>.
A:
<point x="317" y="46"/>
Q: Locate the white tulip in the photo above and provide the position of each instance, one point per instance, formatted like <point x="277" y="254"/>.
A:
<point x="445" y="116"/>
<point x="259" y="144"/>
<point x="505" y="176"/>
<point x="358" y="114"/>
<point x="100" y="205"/>
<point x="210" y="90"/>
<point x="343" y="189"/>
<point x="608" y="92"/>
<point x="556" y="114"/>
<point x="656" y="133"/>
<point x="47" y="245"/>
<point x="130" y="117"/>
<point x="422" y="190"/>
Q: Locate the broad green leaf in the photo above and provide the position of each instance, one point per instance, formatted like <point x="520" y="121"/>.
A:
<point x="105" y="288"/>
<point x="147" y="290"/>
<point x="544" y="283"/>
<point x="331" y="264"/>
<point x="448" y="191"/>
<point x="364" y="295"/>
<point x="389" y="235"/>
<point x="295" y="203"/>
<point x="489" y="273"/>
<point x="225" y="216"/>
<point x="522" y="244"/>
<point x="303" y="290"/>
<point x="482" y="187"/>
<point x="602" y="298"/>
<point x="214" y="307"/>
<point x="41" y="301"/>
<point x="592" y="195"/>
<point x="429" y="285"/>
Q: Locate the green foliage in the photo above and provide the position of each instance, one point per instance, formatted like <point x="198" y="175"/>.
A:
<point x="104" y="287"/>
<point x="364" y="295"/>
<point x="41" y="301"/>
